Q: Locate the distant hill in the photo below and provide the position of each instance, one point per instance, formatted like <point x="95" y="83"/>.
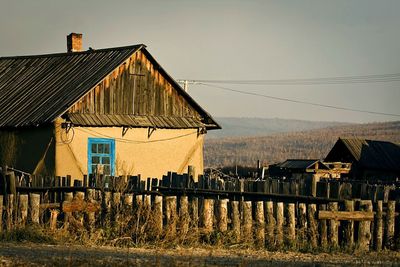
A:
<point x="265" y="126"/>
<point x="312" y="144"/>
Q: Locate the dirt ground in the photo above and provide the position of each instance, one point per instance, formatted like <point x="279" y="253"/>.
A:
<point x="29" y="254"/>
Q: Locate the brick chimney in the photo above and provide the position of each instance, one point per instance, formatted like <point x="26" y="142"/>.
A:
<point x="74" y="42"/>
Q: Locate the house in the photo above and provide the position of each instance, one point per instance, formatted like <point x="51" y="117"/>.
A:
<point x="307" y="168"/>
<point x="370" y="159"/>
<point x="116" y="108"/>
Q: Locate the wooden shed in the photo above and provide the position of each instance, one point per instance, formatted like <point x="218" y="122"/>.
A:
<point x="117" y="108"/>
<point x="370" y="159"/>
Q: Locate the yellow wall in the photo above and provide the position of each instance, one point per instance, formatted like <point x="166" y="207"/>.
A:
<point x="135" y="153"/>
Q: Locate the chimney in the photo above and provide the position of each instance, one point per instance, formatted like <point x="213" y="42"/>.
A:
<point x="74" y="42"/>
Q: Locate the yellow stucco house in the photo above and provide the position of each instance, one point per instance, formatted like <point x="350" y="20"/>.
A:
<point x="65" y="114"/>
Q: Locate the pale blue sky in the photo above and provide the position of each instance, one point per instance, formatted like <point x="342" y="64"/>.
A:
<point x="235" y="40"/>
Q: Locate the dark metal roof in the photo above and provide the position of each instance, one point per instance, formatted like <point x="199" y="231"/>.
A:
<point x="371" y="153"/>
<point x="37" y="89"/>
<point x="297" y="163"/>
<point x="107" y="120"/>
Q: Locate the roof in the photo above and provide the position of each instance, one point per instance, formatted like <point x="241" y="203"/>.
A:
<point x="108" y="120"/>
<point x="371" y="154"/>
<point x="298" y="163"/>
<point x="37" y="89"/>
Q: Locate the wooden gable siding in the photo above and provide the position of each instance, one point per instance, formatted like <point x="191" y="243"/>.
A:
<point x="135" y="88"/>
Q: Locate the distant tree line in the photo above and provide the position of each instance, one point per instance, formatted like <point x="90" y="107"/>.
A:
<point x="314" y="144"/>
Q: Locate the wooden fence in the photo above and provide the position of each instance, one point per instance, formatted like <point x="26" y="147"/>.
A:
<point x="273" y="214"/>
<point x="271" y="224"/>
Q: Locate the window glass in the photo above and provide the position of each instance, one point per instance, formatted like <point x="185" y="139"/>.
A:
<point x="106" y="148"/>
<point x="95" y="160"/>
<point x="94" y="148"/>
<point x="105" y="160"/>
<point x="100" y="148"/>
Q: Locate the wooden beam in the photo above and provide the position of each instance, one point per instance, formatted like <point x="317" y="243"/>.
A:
<point x="346" y="215"/>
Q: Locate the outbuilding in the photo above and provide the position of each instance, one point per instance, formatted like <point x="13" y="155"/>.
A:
<point x="370" y="159"/>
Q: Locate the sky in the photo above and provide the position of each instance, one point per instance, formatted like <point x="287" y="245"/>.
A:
<point x="236" y="40"/>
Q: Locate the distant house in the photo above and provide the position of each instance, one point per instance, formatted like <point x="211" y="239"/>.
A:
<point x="369" y="158"/>
<point x="115" y="108"/>
<point x="307" y="168"/>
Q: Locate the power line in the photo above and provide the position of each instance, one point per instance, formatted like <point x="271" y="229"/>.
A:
<point x="374" y="78"/>
<point x="298" y="101"/>
<point x="133" y="141"/>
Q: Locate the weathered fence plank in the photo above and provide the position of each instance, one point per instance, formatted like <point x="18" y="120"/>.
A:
<point x="222" y="215"/>
<point x="235" y="218"/>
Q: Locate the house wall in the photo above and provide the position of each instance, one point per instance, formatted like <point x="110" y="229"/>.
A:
<point x="30" y="150"/>
<point x="135" y="153"/>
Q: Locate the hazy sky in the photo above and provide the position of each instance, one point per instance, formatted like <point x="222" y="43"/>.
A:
<point x="235" y="40"/>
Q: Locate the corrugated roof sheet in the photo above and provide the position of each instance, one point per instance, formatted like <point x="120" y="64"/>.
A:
<point x="107" y="120"/>
<point x="374" y="154"/>
<point x="37" y="89"/>
<point x="297" y="163"/>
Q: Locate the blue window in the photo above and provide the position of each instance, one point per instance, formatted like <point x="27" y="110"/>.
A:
<point x="101" y="151"/>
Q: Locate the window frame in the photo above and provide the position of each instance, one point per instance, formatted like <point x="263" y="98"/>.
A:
<point x="111" y="153"/>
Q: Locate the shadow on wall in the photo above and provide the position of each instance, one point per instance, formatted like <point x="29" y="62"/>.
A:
<point x="30" y="150"/>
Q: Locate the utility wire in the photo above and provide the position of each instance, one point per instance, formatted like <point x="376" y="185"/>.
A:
<point x="297" y="101"/>
<point x="133" y="141"/>
<point x="375" y="78"/>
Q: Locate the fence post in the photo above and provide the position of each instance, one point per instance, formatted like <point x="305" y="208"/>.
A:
<point x="222" y="212"/>
<point x="194" y="212"/>
<point x="10" y="211"/>
<point x="158" y="215"/>
<point x="53" y="219"/>
<point x="184" y="215"/>
<point x="349" y="226"/>
<point x="91" y="219"/>
<point x="390" y="214"/>
<point x="247" y="221"/>
<point x="333" y="227"/>
<point x="260" y="224"/>
<point x="364" y="229"/>
<point x="34" y="203"/>
<point x="291" y="224"/>
<point x="323" y="232"/>
<point x="170" y="215"/>
<point x="138" y="201"/>
<point x="378" y="226"/>
<point x="302" y="222"/>
<point x="207" y="214"/>
<point x="312" y="225"/>
<point x="106" y="209"/>
<point x="191" y="174"/>
<point x="235" y="220"/>
<point x="269" y="212"/>
<point x="279" y="225"/>
<point x="23" y="209"/>
<point x="116" y="209"/>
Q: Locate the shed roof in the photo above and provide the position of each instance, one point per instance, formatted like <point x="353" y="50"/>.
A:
<point x="37" y="89"/>
<point x="372" y="154"/>
<point x="300" y="163"/>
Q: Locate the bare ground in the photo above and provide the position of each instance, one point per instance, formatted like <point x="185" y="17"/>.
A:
<point x="29" y="254"/>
